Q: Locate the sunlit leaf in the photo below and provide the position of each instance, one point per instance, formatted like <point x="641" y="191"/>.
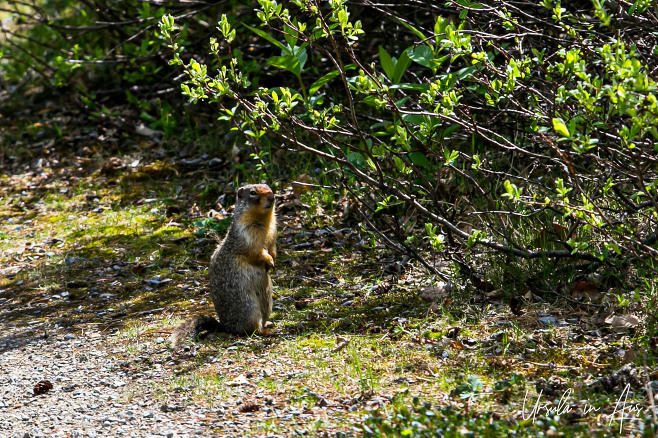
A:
<point x="560" y="127"/>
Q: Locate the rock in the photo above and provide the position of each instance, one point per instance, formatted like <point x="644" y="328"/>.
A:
<point x="548" y="320"/>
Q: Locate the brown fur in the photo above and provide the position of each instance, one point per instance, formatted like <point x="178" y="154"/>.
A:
<point x="240" y="286"/>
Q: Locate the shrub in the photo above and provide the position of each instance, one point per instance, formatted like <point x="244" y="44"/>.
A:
<point x="424" y="420"/>
<point x="524" y="129"/>
<point x="96" y="45"/>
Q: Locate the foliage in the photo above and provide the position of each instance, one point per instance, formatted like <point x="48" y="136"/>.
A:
<point x="210" y="226"/>
<point x="520" y="128"/>
<point x="95" y="46"/>
<point x="470" y="389"/>
<point x="423" y="420"/>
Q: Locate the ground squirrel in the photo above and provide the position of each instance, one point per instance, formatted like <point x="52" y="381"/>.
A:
<point x="240" y="286"/>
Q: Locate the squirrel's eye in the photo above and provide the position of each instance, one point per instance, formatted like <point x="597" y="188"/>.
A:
<point x="253" y="193"/>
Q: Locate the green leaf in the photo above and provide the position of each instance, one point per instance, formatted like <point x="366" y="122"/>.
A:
<point x="302" y="56"/>
<point x="288" y="62"/>
<point x="408" y="86"/>
<point x="469" y="4"/>
<point x="399" y="163"/>
<point x="414" y="119"/>
<point x="370" y="100"/>
<point x="290" y="35"/>
<point x="560" y="127"/>
<point x="418" y="33"/>
<point x="326" y="78"/>
<point x="512" y="191"/>
<point x="440" y="25"/>
<point x="400" y="102"/>
<point x="466" y="71"/>
<point x="450" y="157"/>
<point x="419" y="159"/>
<point x="268" y="37"/>
<point x="422" y="55"/>
<point x="355" y="158"/>
<point x="400" y="67"/>
<point x="449" y="130"/>
<point x="320" y="82"/>
<point x="387" y="63"/>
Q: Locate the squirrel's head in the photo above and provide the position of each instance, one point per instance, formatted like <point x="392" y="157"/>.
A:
<point x="255" y="195"/>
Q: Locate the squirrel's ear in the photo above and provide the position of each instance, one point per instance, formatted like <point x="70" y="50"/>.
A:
<point x="240" y="192"/>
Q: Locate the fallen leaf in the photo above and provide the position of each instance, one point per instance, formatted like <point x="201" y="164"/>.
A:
<point x="437" y="293"/>
<point x="111" y="165"/>
<point x="446" y="303"/>
<point x="240" y="380"/>
<point x="469" y="343"/>
<point x="496" y="293"/>
<point x="218" y="215"/>
<point x="619" y="321"/>
<point x="340" y="344"/>
<point x="584" y="289"/>
<point x="457" y="345"/>
<point x="144" y="130"/>
<point x="453" y="332"/>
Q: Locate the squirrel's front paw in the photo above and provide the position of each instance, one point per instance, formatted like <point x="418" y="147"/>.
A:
<point x="268" y="260"/>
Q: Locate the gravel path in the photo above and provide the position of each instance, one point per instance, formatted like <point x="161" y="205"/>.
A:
<point x="102" y="390"/>
<point x="95" y="392"/>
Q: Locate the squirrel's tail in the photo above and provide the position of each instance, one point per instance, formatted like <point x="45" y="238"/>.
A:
<point x="192" y="328"/>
